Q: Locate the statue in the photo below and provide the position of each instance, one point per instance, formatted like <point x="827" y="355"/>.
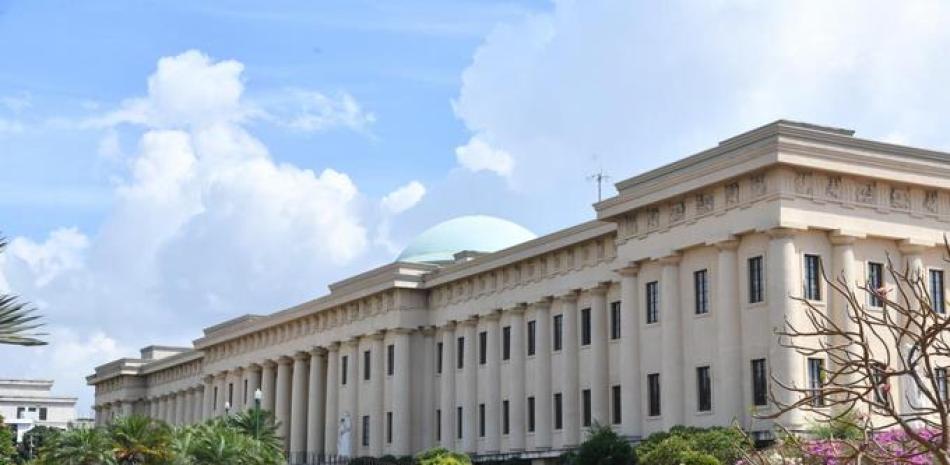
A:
<point x="343" y="445"/>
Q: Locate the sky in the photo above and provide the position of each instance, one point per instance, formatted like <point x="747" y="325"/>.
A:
<point x="165" y="166"/>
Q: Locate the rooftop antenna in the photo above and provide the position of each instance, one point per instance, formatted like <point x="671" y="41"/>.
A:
<point x="599" y="177"/>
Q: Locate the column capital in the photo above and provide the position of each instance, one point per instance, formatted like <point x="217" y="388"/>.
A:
<point x="729" y="244"/>
<point x="912" y="246"/>
<point x="378" y="335"/>
<point x="208" y="379"/>
<point x="517" y="309"/>
<point x="221" y="374"/>
<point x="284" y="360"/>
<point x="428" y="330"/>
<point x="631" y="269"/>
<point x="841" y="237"/>
<point x="318" y="351"/>
<point x="401" y="330"/>
<point x="569" y="296"/>
<point x="671" y="259"/>
<point x="543" y="302"/>
<point x="470" y="321"/>
<point x="301" y="356"/>
<point x="599" y="289"/>
<point x="268" y="363"/>
<point x="238" y="370"/>
<point x="253" y="367"/>
<point x="333" y="347"/>
<point x="495" y="315"/>
<point x="781" y="233"/>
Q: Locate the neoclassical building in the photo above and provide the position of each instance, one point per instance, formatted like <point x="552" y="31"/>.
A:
<point x="660" y="311"/>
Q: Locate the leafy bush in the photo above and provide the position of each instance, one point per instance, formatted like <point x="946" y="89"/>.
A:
<point x="844" y="427"/>
<point x="7" y="440"/>
<point x="725" y="445"/>
<point x="603" y="447"/>
<point x="442" y="456"/>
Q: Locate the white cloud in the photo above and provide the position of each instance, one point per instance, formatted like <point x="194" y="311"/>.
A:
<point x="403" y="198"/>
<point x="477" y="155"/>
<point x="61" y="252"/>
<point x="17" y="103"/>
<point x="319" y="112"/>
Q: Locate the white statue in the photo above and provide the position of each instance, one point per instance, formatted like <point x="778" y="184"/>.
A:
<point x="343" y="442"/>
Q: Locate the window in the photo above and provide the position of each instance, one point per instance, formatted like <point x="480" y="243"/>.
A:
<point x="43" y="413"/>
<point x="701" y="292"/>
<point x="936" y="292"/>
<point x="585" y="327"/>
<point x="941" y="378"/>
<point x="483" y="347"/>
<point x="532" y="328"/>
<point x="653" y="394"/>
<point x="366" y="364"/>
<point x="558" y="412"/>
<point x="389" y="427"/>
<point x="19" y="413"/>
<point x="481" y="420"/>
<point x="460" y="353"/>
<point x="230" y="393"/>
<point x="458" y="422"/>
<point x="875" y="282"/>
<point x="531" y="414"/>
<point x="812" y="281"/>
<point x="880" y="384"/>
<point x="617" y="414"/>
<point x="816" y="371"/>
<point x="505" y="425"/>
<point x="244" y="393"/>
<point x="703" y="389"/>
<point x="760" y="383"/>
<point x="365" y="430"/>
<point x="438" y="357"/>
<point x="755" y="280"/>
<point x="558" y="328"/>
<point x="615" y="320"/>
<point x="585" y="397"/>
<point x="390" y="359"/>
<point x="438" y="424"/>
<point x="215" y="396"/>
<point x="653" y="302"/>
<point x="506" y="343"/>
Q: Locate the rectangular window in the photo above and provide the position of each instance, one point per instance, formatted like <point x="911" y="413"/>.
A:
<point x="460" y="353"/>
<point x="653" y="302"/>
<point x="365" y="430"/>
<point x="215" y="402"/>
<point x="438" y="357"/>
<point x="816" y="373"/>
<point x="438" y="424"/>
<point x="505" y="425"/>
<point x="532" y="328"/>
<point x="585" y="399"/>
<point x="615" y="320"/>
<point x="531" y="414"/>
<point x="760" y="383"/>
<point x="653" y="394"/>
<point x="230" y="393"/>
<point x="703" y="389"/>
<point x="936" y="292"/>
<point x="558" y="328"/>
<point x="880" y="384"/>
<point x="585" y="327"/>
<point x="367" y="367"/>
<point x="481" y="420"/>
<point x="390" y="359"/>
<point x="43" y="413"/>
<point x="941" y="378"/>
<point x="616" y="414"/>
<point x="558" y="412"/>
<point x="244" y="392"/>
<point x="458" y="422"/>
<point x="755" y="280"/>
<point x="483" y="347"/>
<point x="701" y="292"/>
<point x="506" y="343"/>
<point x="875" y="282"/>
<point x="19" y="413"/>
<point x="389" y="427"/>
<point x="812" y="278"/>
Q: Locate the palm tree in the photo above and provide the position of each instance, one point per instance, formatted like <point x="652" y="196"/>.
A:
<point x="260" y="425"/>
<point x="78" y="447"/>
<point x="139" y="440"/>
<point x="17" y="320"/>
<point x="217" y="443"/>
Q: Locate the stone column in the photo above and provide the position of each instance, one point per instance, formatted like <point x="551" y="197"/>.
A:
<point x="842" y="265"/>
<point x="316" y="403"/>
<point x="268" y="385"/>
<point x="182" y="407"/>
<point x="332" y="431"/>
<point x="353" y="392"/>
<point x="783" y="282"/>
<point x="402" y="395"/>
<point x="222" y="382"/>
<point x="570" y="390"/>
<point x="447" y="379"/>
<point x="378" y="412"/>
<point x="252" y="373"/>
<point x="671" y="324"/>
<point x="470" y="388"/>
<point x="904" y="388"/>
<point x="240" y="397"/>
<point x="298" y="407"/>
<point x="630" y="379"/>
<point x="493" y="384"/>
<point x="544" y="398"/>
<point x="174" y="408"/>
<point x="599" y="382"/>
<point x="153" y="408"/>
<point x="163" y="408"/>
<point x="516" y="438"/>
<point x="429" y="402"/>
<point x="207" y="405"/>
<point x="196" y="408"/>
<point x="729" y="332"/>
<point x="282" y="388"/>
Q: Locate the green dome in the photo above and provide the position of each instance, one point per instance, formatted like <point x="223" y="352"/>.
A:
<point x="477" y="233"/>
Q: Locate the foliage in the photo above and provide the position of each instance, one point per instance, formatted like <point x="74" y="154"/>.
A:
<point x="442" y="456"/>
<point x="216" y="443"/>
<point x="260" y="425"/>
<point x="845" y="426"/>
<point x="892" y="446"/>
<point x="17" y="320"/>
<point x="33" y="440"/>
<point x="139" y="440"/>
<point x="725" y="445"/>
<point x="7" y="441"/>
<point x="603" y="447"/>
<point x="78" y="447"/>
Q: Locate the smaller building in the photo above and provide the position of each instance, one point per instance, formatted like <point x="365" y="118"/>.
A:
<point x="25" y="404"/>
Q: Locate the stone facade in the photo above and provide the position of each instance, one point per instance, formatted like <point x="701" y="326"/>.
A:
<point x="658" y="312"/>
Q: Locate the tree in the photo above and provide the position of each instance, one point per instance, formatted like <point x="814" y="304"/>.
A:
<point x="17" y="319"/>
<point x="33" y="441"/>
<point x="140" y="440"/>
<point x="217" y="443"/>
<point x="442" y="456"/>
<point x="7" y="444"/>
<point x="78" y="447"/>
<point x="260" y="425"/>
<point x="902" y="339"/>
<point x="603" y="447"/>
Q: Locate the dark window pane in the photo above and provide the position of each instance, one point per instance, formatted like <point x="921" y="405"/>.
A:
<point x="558" y="412"/>
<point x="585" y="326"/>
<point x="481" y="420"/>
<point x="936" y="291"/>
<point x="458" y="422"/>
<point x="701" y="292"/>
<point x="530" y="414"/>
<point x="812" y="277"/>
<point x="389" y="427"/>
<point x="365" y="429"/>
<point x="653" y="302"/>
<point x="558" y="329"/>
<point x="483" y="347"/>
<point x="703" y="389"/>
<point x="532" y="327"/>
<point x="366" y="365"/>
<point x="585" y="397"/>
<point x="506" y="343"/>
<point x="755" y="280"/>
<point x="760" y="393"/>
<point x="505" y="426"/>
<point x="460" y="353"/>
<point x="615" y="320"/>
<point x="390" y="359"/>
<point x="816" y="369"/>
<point x="875" y="283"/>
<point x="653" y="394"/>
<point x="438" y="357"/>
<point x="615" y="399"/>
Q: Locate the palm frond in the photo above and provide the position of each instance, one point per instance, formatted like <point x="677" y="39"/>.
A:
<point x="18" y="320"/>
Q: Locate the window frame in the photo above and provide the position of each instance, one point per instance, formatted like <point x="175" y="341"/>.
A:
<point x="460" y="352"/>
<point x="811" y="277"/>
<point x="364" y="434"/>
<point x="586" y="336"/>
<point x="586" y="408"/>
<point x="937" y="302"/>
<point x="875" y="280"/>
<point x="760" y="382"/>
<point x="483" y="347"/>
<point x="616" y="317"/>
<point x="532" y="337"/>
<point x="391" y="359"/>
<point x="439" y="357"/>
<point x="616" y="404"/>
<point x="506" y="343"/>
<point x="558" y="411"/>
<point x="367" y="365"/>
<point x="755" y="269"/>
<point x="652" y="296"/>
<point x="704" y="394"/>
<point x="701" y="292"/>
<point x="532" y="409"/>
<point x="654" y="399"/>
<point x="557" y="327"/>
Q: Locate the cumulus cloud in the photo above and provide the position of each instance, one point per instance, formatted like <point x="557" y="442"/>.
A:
<point x="319" y="112"/>
<point x="477" y="155"/>
<point x="403" y="198"/>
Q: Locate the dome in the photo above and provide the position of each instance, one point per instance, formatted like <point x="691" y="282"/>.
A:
<point x="477" y="233"/>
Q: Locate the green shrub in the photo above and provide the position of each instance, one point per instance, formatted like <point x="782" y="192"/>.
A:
<point x="698" y="458"/>
<point x="442" y="456"/>
<point x="669" y="451"/>
<point x="845" y="426"/>
<point x="603" y="447"/>
<point x="725" y="445"/>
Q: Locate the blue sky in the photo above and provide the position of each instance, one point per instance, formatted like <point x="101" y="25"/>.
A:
<point x="175" y="164"/>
